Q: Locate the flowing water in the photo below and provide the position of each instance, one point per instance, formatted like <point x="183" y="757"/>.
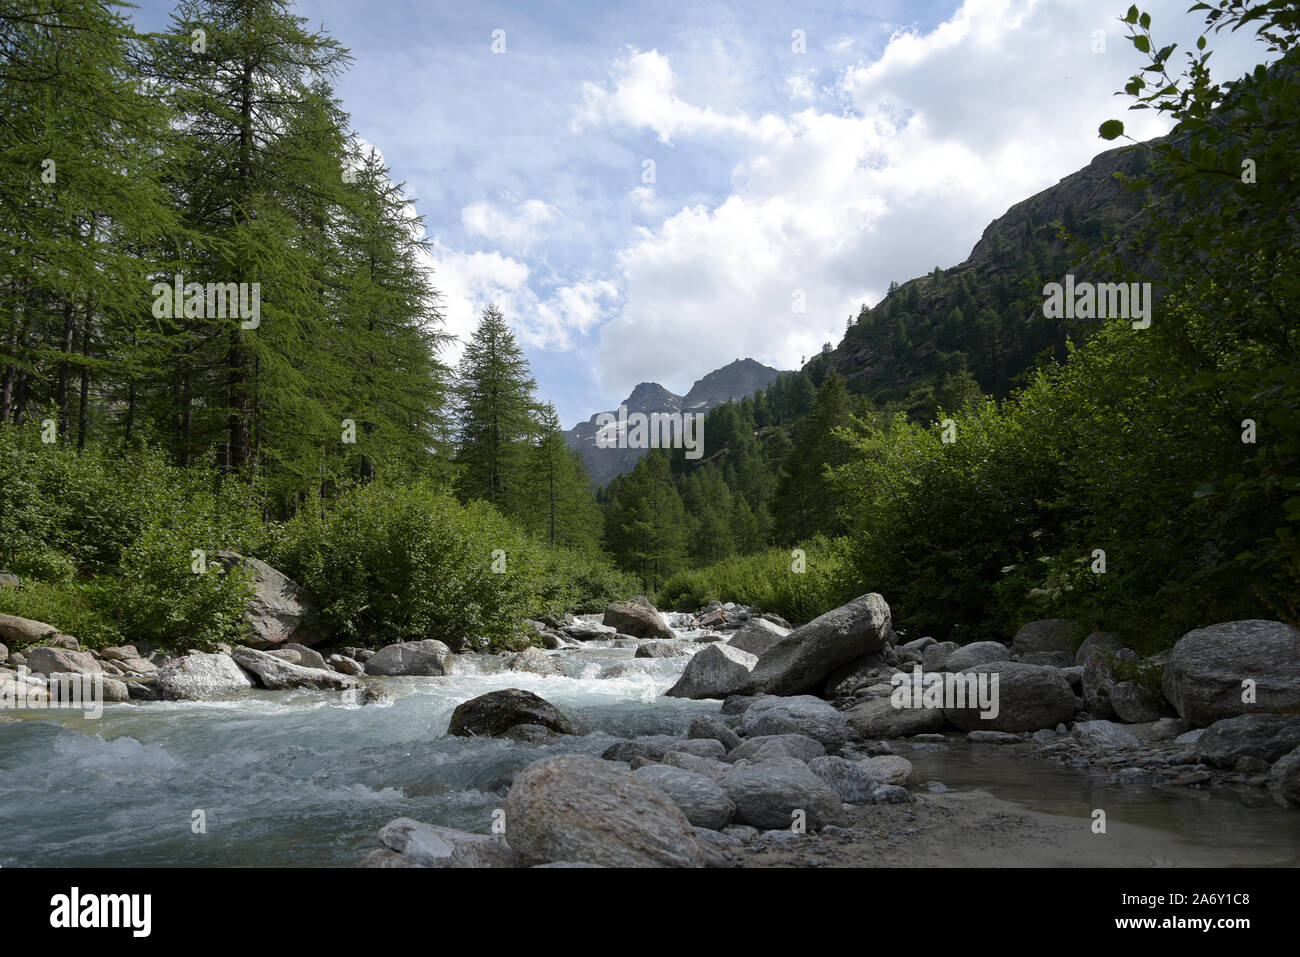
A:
<point x="305" y="779"/>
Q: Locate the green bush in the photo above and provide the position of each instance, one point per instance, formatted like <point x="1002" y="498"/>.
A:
<point x="768" y="580"/>
<point x="73" y="608"/>
<point x="399" y="562"/>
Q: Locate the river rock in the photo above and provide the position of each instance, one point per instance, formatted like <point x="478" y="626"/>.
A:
<point x="307" y="657"/>
<point x="629" y="750"/>
<point x="1098" y="641"/>
<point x="1050" y="634"/>
<point x="716" y="672"/>
<point x="1135" y="704"/>
<point x="1105" y="734"/>
<point x="4" y="654"/>
<point x="770" y="746"/>
<point x="767" y="795"/>
<point x="346" y="666"/>
<point x="659" y="649"/>
<point x="877" y="717"/>
<point x="708" y="727"/>
<point x="24" y="631"/>
<point x="492" y="714"/>
<point x="801" y="714"/>
<point x="198" y="677"/>
<point x="277" y="674"/>
<point x="577" y="808"/>
<point x="849" y="779"/>
<point x="428" y="845"/>
<point x="702" y="747"/>
<point x="847" y="679"/>
<point x="804" y="659"/>
<point x="637" y="618"/>
<point x="1284" y="777"/>
<point x="49" y="661"/>
<point x="700" y="798"/>
<point x="535" y="661"/>
<point x="1028" y="697"/>
<point x="712" y="769"/>
<point x="1264" y="736"/>
<point x="589" y="631"/>
<point x="422" y="658"/>
<point x="935" y="657"/>
<point x="357" y="654"/>
<point x="976" y="653"/>
<point x="1203" y="679"/>
<point x="758" y="635"/>
<point x="279" y="611"/>
<point x="887" y="768"/>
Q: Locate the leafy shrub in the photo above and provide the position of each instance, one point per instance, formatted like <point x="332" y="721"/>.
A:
<point x="767" y="579"/>
<point x="73" y="608"/>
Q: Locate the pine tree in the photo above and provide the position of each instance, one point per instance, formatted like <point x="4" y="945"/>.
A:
<point x="646" y="526"/>
<point x="806" y="503"/>
<point x="561" y="508"/>
<point x="496" y="405"/>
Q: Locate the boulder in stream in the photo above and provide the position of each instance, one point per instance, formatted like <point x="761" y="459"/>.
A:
<point x="803" y="660"/>
<point x="638" y="618"/>
<point x="421" y="658"/>
<point x="493" y="714"/>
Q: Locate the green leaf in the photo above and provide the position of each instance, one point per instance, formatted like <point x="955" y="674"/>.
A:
<point x="1111" y="129"/>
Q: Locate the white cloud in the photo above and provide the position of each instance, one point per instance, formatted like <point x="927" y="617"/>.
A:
<point x="801" y="86"/>
<point x="515" y="230"/>
<point x="942" y="133"/>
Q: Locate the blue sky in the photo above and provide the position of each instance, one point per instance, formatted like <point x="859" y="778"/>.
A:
<point x="789" y="167"/>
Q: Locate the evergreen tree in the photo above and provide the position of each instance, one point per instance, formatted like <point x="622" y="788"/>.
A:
<point x="645" y="524"/>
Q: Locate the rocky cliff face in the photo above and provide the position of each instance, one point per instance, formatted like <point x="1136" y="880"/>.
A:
<point x="736" y="380"/>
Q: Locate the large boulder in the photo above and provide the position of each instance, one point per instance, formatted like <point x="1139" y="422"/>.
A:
<point x="534" y="661"/>
<point x="1284" y="777"/>
<point x="887" y="768"/>
<point x="420" y="658"/>
<point x="976" y="653"/>
<point x="1096" y="642"/>
<point x="935" y="657"/>
<point x="493" y="714"/>
<point x="757" y="635"/>
<point x="637" y="618"/>
<point x="706" y="727"/>
<point x="1135" y="703"/>
<point x="1105" y="734"/>
<point x="849" y="779"/>
<point x="847" y="679"/>
<point x="1027" y="698"/>
<point x="1204" y="676"/>
<point x="768" y="746"/>
<point x="801" y="714"/>
<point x="53" y="661"/>
<point x="879" y="718"/>
<point x="428" y="845"/>
<point x="24" y="631"/>
<point x="578" y="808"/>
<point x="804" y="659"/>
<point x="700" y="798"/>
<point x="277" y="674"/>
<point x="768" y="795"/>
<point x="660" y="649"/>
<point x="1098" y="680"/>
<point x="280" y="610"/>
<point x="1265" y="737"/>
<point x="1049" y="634"/>
<point x="717" y="671"/>
<point x="198" y="677"/>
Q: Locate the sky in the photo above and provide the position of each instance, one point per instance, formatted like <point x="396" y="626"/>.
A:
<point x="652" y="190"/>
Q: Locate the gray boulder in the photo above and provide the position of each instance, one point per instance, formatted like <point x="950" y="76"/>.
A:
<point x="279" y="611"/>
<point x="935" y="657"/>
<point x="493" y="714"/>
<point x="1105" y="734"/>
<point x="800" y="714"/>
<point x="346" y="666"/>
<point x="758" y="635"/>
<point x="849" y="779"/>
<point x="976" y="653"/>
<point x="1136" y="704"/>
<point x="770" y="746"/>
<point x="878" y="718"/>
<point x="804" y="659"/>
<point x="659" y="649"/>
<point x="50" y="661"/>
<point x="1266" y="737"/>
<point x="1204" y="677"/>
<point x="700" y="798"/>
<point x="1050" y="634"/>
<point x="717" y="671"/>
<point x="1097" y="641"/>
<point x="427" y="657"/>
<point x="637" y="618"/>
<point x="24" y="631"/>
<point x="887" y="768"/>
<point x="706" y="726"/>
<point x="578" y="808"/>
<point x="768" y="794"/>
<point x="534" y="661"/>
<point x="712" y="769"/>
<point x="1284" y="777"/>
<point x="1027" y="698"/>
<point x="428" y="845"/>
<point x="198" y="677"/>
<point x="277" y="674"/>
